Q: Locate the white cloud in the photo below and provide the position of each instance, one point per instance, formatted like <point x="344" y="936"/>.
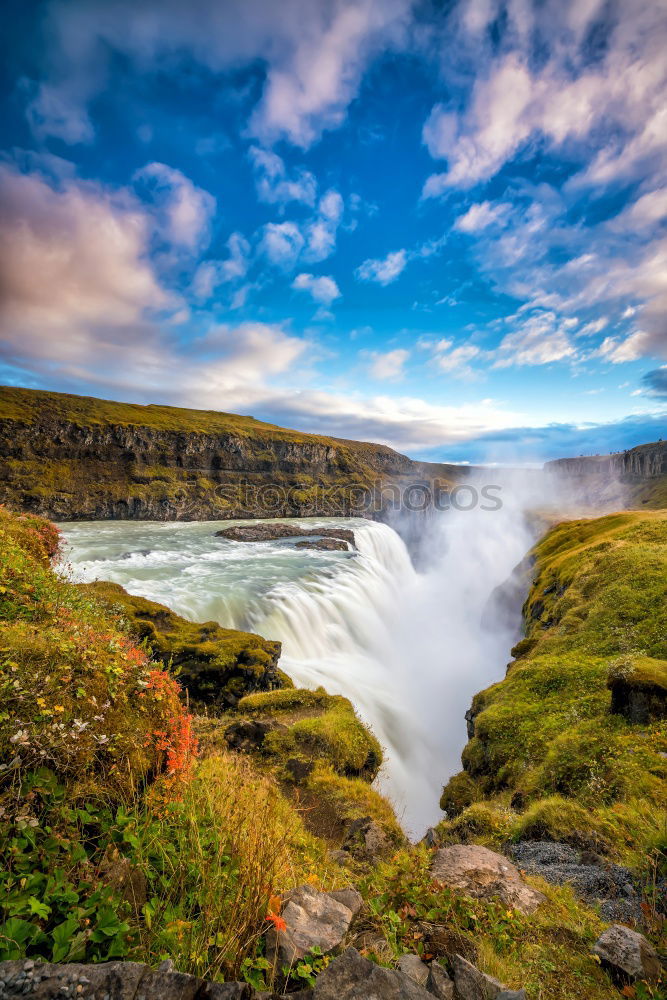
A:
<point x="451" y="359"/>
<point x="321" y="231"/>
<point x="212" y="273"/>
<point x="274" y="185"/>
<point x="282" y="243"/>
<point x="322" y="288"/>
<point x="183" y="210"/>
<point x="314" y="55"/>
<point x="388" y="364"/>
<point x="383" y="270"/>
<point x="539" y="340"/>
<point x="617" y="351"/>
<point x="480" y="216"/>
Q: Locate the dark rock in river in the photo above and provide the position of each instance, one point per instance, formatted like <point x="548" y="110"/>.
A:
<point x="269" y="532"/>
<point x="326" y="544"/>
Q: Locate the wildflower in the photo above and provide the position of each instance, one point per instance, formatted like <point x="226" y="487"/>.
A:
<point x="58" y="708"/>
<point x="277" y="921"/>
<point x="41" y="702"/>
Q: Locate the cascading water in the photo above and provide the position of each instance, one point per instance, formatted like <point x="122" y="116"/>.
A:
<point x="408" y="648"/>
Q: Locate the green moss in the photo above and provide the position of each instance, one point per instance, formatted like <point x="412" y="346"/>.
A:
<point x="217" y="666"/>
<point x="545" y="735"/>
<point x="459" y="792"/>
<point x="273" y="702"/>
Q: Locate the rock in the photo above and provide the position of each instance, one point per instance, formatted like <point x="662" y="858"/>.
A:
<point x="269" y="532"/>
<point x="249" y="734"/>
<point x="412" y="966"/>
<point x="348" y="897"/>
<point x="326" y="544"/>
<point x="112" y="980"/>
<point x="439" y="984"/>
<point x="482" y="873"/>
<point x="352" y="977"/>
<point x="431" y="838"/>
<point x="628" y="953"/>
<point x="440" y="940"/>
<point x="471" y="984"/>
<point x="313" y="919"/>
<point x="366" y="840"/>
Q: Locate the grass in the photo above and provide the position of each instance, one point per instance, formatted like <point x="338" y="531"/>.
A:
<point x="214" y="665"/>
<point x="546" y="745"/>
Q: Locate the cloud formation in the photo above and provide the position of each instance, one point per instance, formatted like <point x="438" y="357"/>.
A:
<point x="322" y="288"/>
<point x="383" y="270"/>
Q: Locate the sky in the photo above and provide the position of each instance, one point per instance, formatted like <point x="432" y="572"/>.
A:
<point x="437" y="225"/>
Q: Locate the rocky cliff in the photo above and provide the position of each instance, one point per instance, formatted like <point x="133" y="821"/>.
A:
<point x="628" y="478"/>
<point x="73" y="457"/>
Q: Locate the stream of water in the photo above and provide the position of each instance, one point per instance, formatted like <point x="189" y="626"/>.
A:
<point x="409" y="648"/>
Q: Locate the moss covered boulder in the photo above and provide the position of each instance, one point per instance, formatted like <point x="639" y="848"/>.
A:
<point x="216" y="666"/>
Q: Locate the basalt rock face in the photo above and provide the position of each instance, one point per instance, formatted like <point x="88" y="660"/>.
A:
<point x="627" y="478"/>
<point x="71" y="457"/>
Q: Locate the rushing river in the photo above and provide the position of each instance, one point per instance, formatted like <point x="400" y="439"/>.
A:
<point x="408" y="648"/>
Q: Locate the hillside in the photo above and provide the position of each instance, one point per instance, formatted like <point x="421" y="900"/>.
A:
<point x="633" y="478"/>
<point x="73" y="457"/>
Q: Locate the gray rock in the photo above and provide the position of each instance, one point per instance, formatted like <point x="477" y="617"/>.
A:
<point x="471" y="984"/>
<point x="439" y="984"/>
<point x="352" y="977"/>
<point x="483" y="874"/>
<point x="628" y="953"/>
<point x="314" y="919"/>
<point x="263" y="532"/>
<point x="366" y="840"/>
<point x="348" y="897"/>
<point x="111" y="980"/>
<point x="412" y="966"/>
<point x="249" y="734"/>
<point x="326" y="544"/>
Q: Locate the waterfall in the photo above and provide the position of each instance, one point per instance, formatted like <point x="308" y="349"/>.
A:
<point x="408" y="647"/>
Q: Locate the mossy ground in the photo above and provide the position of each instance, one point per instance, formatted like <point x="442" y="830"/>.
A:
<point x="548" y="757"/>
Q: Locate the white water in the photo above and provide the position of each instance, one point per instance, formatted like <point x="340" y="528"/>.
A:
<point x="408" y="648"/>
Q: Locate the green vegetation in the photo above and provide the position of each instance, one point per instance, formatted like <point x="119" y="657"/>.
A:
<point x="548" y="755"/>
<point x="215" y="665"/>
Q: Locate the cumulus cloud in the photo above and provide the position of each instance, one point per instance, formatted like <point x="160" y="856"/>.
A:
<point x="212" y="273"/>
<point x="322" y="288"/>
<point x="183" y="210"/>
<point x="388" y="364"/>
<point x="313" y="54"/>
<point x="385" y="269"/>
<point x="275" y="185"/>
<point x="539" y="340"/>
<point x="282" y="243"/>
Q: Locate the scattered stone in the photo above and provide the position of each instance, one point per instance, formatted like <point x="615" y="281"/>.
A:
<point x="471" y="984"/>
<point x="628" y="953"/>
<point x="352" y="977"/>
<point x="326" y="544"/>
<point x="443" y="942"/>
<point x="249" y="734"/>
<point x="313" y="919"/>
<point x="269" y="532"/>
<point x="439" y="984"/>
<point x="412" y="966"/>
<point x="482" y="873"/>
<point x="593" y="879"/>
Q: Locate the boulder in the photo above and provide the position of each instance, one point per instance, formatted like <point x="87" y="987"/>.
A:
<point x="412" y="966"/>
<point x="313" y="919"/>
<point x="471" y="984"/>
<point x="352" y="977"/>
<point x="112" y="980"/>
<point x="269" y="532"/>
<point x="482" y="873"/>
<point x="348" y="897"/>
<point x="366" y="840"/>
<point x="439" y="984"/>
<point x="628" y="954"/>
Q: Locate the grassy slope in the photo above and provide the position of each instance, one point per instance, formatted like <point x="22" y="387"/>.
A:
<point x="548" y="757"/>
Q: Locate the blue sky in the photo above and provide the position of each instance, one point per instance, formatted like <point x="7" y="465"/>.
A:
<point x="440" y="226"/>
